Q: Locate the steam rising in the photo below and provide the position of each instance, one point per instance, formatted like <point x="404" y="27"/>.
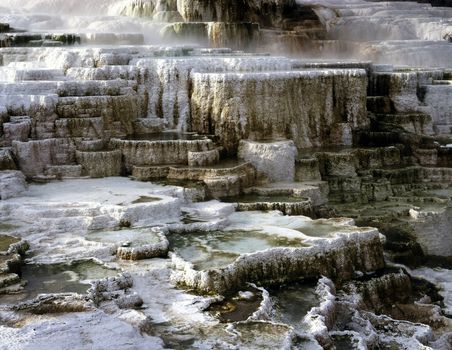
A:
<point x="88" y="16"/>
<point x="401" y="33"/>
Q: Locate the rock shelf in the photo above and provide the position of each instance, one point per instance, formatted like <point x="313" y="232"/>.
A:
<point x="209" y="264"/>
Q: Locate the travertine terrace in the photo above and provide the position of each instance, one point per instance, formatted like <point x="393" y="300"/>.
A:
<point x="199" y="174"/>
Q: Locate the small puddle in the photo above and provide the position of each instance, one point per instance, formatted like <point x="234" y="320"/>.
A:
<point x="237" y="307"/>
<point x="215" y="249"/>
<point x="318" y="229"/>
<point x="57" y="278"/>
<point x="292" y="302"/>
<point x="344" y="342"/>
<point x="189" y="219"/>
<point x="7" y="241"/>
<point x="4" y="227"/>
<point x="262" y="335"/>
<point x="146" y="199"/>
<point x="443" y="193"/>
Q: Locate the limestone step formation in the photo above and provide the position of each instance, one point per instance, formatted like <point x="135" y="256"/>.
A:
<point x="12" y="251"/>
<point x="265" y="174"/>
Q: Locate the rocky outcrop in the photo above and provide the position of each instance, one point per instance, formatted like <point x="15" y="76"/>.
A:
<point x="253" y="106"/>
<point x="438" y="97"/>
<point x="6" y="160"/>
<point x="169" y="81"/>
<point x="414" y="319"/>
<point x="275" y="159"/>
<point x="299" y="206"/>
<point x="147" y="153"/>
<point x="219" y="181"/>
<point x="44" y="206"/>
<point x="12" y="250"/>
<point x="110" y="288"/>
<point x="101" y="163"/>
<point x="316" y="191"/>
<point x="18" y="129"/>
<point x="350" y="253"/>
<point x="214" y="34"/>
<point x="12" y="184"/>
<point x="34" y="156"/>
<point x="232" y="11"/>
<point x="401" y="86"/>
<point x="432" y="230"/>
<point x="203" y="158"/>
<point x="155" y="248"/>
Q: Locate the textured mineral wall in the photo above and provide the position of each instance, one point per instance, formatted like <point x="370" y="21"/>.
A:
<point x="275" y="159"/>
<point x="169" y="81"/>
<point x="233" y="11"/>
<point x="12" y="184"/>
<point x="433" y="230"/>
<point x="214" y="34"/>
<point x="302" y="106"/>
<point x="360" y="250"/>
<point x="141" y="153"/>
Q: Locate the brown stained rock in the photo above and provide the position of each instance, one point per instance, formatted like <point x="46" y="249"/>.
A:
<point x="101" y="163"/>
<point x="6" y="160"/>
<point x="254" y="105"/>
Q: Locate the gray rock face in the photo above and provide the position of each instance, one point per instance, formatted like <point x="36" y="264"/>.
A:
<point x="203" y="158"/>
<point x="438" y="97"/>
<point x="34" y="156"/>
<point x="6" y="160"/>
<point x="433" y="230"/>
<point x="101" y="163"/>
<point x="275" y="159"/>
<point x="169" y="80"/>
<point x="12" y="184"/>
<point x="142" y="153"/>
<point x="17" y="129"/>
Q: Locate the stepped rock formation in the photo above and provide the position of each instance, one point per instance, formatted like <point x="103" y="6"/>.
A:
<point x="199" y="174"/>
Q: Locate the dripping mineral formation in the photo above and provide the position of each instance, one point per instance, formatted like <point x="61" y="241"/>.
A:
<point x="263" y="174"/>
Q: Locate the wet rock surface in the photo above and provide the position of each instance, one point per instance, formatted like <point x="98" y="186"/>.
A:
<point x="166" y="183"/>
